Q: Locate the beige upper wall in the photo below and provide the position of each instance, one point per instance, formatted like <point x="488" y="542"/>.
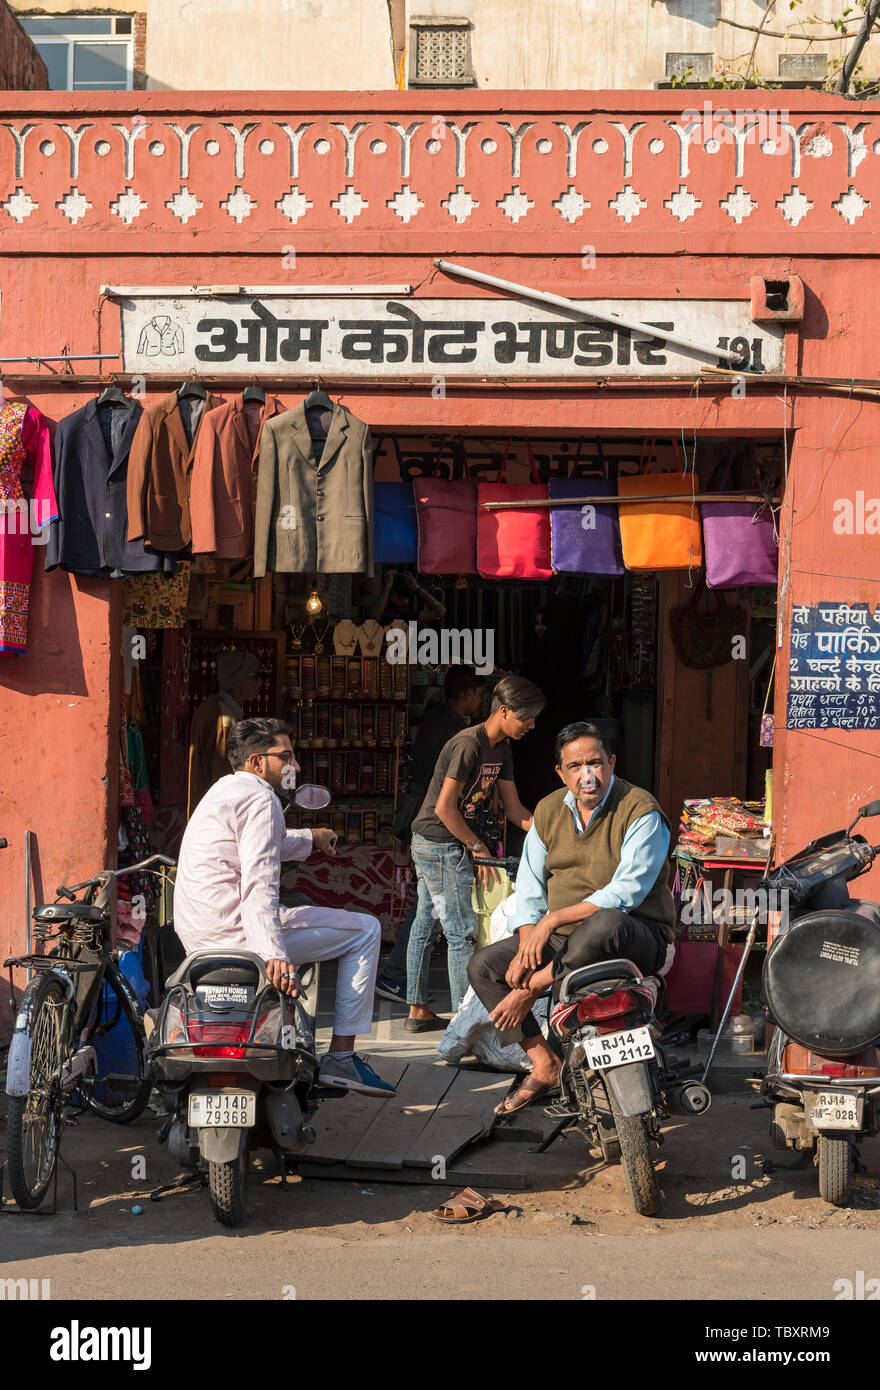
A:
<point x="346" y="44"/>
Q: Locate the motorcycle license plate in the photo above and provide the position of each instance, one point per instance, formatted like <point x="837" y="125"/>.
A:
<point x="836" y="1110"/>
<point x="616" y="1049"/>
<point x="222" y="1109"/>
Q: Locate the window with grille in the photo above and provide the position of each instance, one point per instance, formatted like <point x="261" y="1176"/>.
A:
<point x="440" y="52"/>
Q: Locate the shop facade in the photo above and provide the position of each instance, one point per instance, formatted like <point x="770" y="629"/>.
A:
<point x="743" y="224"/>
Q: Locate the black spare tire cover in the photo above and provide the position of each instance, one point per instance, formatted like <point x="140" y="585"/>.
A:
<point x="822" y="982"/>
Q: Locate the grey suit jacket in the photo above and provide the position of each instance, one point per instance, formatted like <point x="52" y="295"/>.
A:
<point x="314" y="518"/>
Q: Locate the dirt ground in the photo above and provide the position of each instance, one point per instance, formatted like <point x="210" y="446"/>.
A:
<point x="569" y="1189"/>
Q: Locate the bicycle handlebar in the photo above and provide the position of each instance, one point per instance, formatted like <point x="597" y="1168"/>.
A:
<point x="65" y="892"/>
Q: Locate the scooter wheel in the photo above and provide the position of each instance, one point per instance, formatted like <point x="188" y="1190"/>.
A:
<point x="228" y="1185"/>
<point x="835" y="1170"/>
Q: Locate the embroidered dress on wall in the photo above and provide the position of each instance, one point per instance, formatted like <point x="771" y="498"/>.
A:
<point x="25" y="467"/>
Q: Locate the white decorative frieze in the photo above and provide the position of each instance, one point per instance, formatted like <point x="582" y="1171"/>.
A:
<point x="739" y="204"/>
<point x="19" y="205"/>
<point x="73" y="206"/>
<point x="379" y="171"/>
<point x="128" y="206"/>
<point x="459" y="204"/>
<point x="628" y="204"/>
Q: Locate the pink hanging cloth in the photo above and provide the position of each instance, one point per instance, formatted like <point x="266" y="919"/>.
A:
<point x="24" y="449"/>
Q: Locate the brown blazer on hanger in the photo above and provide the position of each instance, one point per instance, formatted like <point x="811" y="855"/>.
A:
<point x="222" y="490"/>
<point x="314" y="518"/>
<point x="158" y="474"/>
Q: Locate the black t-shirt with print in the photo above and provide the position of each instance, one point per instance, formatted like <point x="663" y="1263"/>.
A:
<point x="469" y="758"/>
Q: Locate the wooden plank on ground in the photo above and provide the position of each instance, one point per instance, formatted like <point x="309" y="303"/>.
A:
<point x="500" y="1180"/>
<point x="464" y="1113"/>
<point x="396" y="1129"/>
<point x="341" y="1123"/>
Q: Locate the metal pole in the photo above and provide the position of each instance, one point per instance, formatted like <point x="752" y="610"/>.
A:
<point x="573" y="307"/>
<point x="750" y="941"/>
<point x="614" y="501"/>
<point x="63" y="357"/>
<point x="27" y="895"/>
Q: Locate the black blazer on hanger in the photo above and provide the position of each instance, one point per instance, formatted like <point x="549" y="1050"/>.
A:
<point x="90" y="536"/>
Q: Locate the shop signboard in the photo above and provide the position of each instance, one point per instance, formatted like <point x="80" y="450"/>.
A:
<point x="487" y="337"/>
<point x="834" y="667"/>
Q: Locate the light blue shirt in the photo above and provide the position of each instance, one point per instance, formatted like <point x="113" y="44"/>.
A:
<point x="642" y="855"/>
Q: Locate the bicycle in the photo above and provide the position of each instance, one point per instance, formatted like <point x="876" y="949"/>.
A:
<point x="76" y="997"/>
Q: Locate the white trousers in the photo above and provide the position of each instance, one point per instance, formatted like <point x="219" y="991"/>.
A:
<point x="352" y="938"/>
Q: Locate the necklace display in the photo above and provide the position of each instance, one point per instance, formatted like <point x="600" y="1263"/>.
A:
<point x="319" y="637"/>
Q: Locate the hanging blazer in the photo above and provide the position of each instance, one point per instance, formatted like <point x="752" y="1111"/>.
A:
<point x="314" y="517"/>
<point x="91" y="533"/>
<point x="158" y="476"/>
<point x="223" y="479"/>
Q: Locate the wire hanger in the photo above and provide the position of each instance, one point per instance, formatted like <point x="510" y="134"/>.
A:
<point x="254" y="393"/>
<point x="192" y="387"/>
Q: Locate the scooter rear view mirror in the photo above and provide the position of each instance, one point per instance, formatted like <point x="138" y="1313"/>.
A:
<point x="872" y="809"/>
<point x="311" y="798"/>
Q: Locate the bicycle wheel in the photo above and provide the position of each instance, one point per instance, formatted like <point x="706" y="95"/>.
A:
<point x="33" y="1123"/>
<point x="122" y="1086"/>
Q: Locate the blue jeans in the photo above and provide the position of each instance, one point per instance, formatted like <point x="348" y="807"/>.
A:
<point x="445" y="879"/>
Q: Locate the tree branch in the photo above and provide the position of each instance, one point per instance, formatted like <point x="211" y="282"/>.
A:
<point x="872" y="14"/>
<point x="787" y="33"/>
<point x="764" y="17"/>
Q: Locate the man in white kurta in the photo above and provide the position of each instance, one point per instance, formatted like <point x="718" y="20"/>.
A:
<point x="227" y="893"/>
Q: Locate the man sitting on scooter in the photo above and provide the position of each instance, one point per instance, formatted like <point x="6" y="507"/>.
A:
<point x="227" y="886"/>
<point x="591" y="886"/>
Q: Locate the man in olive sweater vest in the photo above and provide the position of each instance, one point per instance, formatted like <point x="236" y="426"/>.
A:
<point x="592" y="886"/>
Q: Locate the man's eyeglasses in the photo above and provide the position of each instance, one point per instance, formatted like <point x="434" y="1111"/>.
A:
<point x="285" y="754"/>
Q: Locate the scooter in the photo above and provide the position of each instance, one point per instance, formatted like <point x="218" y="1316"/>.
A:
<point x="235" y="1064"/>
<point x="234" y="1060"/>
<point x="821" y="984"/>
<point x="617" y="1085"/>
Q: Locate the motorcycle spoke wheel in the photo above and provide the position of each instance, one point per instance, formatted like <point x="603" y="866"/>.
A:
<point x="638" y="1166"/>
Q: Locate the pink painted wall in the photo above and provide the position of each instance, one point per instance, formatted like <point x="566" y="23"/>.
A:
<point x="97" y="194"/>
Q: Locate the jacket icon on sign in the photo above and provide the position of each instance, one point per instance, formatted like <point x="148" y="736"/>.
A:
<point x="161" y="336"/>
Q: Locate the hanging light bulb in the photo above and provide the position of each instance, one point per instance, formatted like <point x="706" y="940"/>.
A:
<point x="314" y="603"/>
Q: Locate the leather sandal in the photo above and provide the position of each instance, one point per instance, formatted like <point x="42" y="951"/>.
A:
<point x="527" y="1091"/>
<point x="467" y="1205"/>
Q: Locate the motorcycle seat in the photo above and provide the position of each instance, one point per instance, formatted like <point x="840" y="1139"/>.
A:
<point x="588" y="975"/>
<point x="218" y="968"/>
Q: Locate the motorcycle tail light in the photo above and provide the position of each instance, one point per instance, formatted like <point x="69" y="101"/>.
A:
<point x="268" y="1025"/>
<point x="173" y="1027"/>
<point x="600" y="1006"/>
<point x="219" y="1033"/>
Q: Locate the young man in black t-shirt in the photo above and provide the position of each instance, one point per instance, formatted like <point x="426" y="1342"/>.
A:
<point x="463" y="690"/>
<point x="444" y="835"/>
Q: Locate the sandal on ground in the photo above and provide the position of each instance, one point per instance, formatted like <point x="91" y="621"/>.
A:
<point x="467" y="1205"/>
<point x="527" y="1091"/>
